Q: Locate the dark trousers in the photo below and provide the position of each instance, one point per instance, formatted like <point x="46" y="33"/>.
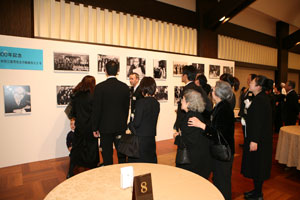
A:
<point x="107" y="141"/>
<point x="222" y="177"/>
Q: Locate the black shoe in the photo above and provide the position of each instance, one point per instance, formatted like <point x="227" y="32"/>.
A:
<point x="255" y="197"/>
<point x="248" y="194"/>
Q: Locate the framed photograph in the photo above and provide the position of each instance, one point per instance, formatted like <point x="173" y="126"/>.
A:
<point x="177" y="68"/>
<point x="199" y="67"/>
<point x="160" y="69"/>
<point x="228" y="70"/>
<point x="103" y="59"/>
<point x="177" y="91"/>
<point x="63" y="94"/>
<point x="71" y="62"/>
<point x="17" y="99"/>
<point x="161" y="93"/>
<point x="214" y="71"/>
<point x="137" y="65"/>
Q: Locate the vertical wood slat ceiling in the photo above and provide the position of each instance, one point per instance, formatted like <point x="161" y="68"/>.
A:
<point x="67" y="21"/>
<point x="294" y="61"/>
<point x="239" y="50"/>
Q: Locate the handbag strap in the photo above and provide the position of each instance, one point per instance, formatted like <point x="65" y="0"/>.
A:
<point x="220" y="135"/>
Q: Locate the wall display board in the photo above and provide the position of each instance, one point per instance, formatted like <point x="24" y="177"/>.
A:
<point x="214" y="71"/>
<point x="103" y="59"/>
<point x="161" y="93"/>
<point x="42" y="134"/>
<point x="71" y="62"/>
<point x="160" y="69"/>
<point x="17" y="99"/>
<point x="63" y="94"/>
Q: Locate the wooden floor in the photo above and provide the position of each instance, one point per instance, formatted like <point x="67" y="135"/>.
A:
<point x="32" y="181"/>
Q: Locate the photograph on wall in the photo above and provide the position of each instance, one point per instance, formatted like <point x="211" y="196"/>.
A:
<point x="17" y="99"/>
<point x="136" y="65"/>
<point x="177" y="91"/>
<point x="177" y="68"/>
<point x="161" y="93"/>
<point x="160" y="69"/>
<point x="103" y="59"/>
<point x="199" y="67"/>
<point x="63" y="94"/>
<point x="71" y="62"/>
<point x="214" y="71"/>
<point x="228" y="70"/>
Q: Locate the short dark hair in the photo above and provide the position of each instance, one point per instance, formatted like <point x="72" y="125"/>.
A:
<point x="262" y="81"/>
<point x="253" y="76"/>
<point x="202" y="79"/>
<point x="291" y="83"/>
<point x="136" y="75"/>
<point x="190" y="71"/>
<point x="112" y="68"/>
<point x="148" y="86"/>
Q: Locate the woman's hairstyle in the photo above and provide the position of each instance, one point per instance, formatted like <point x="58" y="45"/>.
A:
<point x="148" y="86"/>
<point x="233" y="81"/>
<point x="223" y="90"/>
<point x="202" y="79"/>
<point x="253" y="76"/>
<point x="86" y="84"/>
<point x="190" y="71"/>
<point x="262" y="81"/>
<point x="195" y="100"/>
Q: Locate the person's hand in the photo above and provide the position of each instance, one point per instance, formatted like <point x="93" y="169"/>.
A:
<point x="195" y="122"/>
<point x="96" y="134"/>
<point x="175" y="134"/>
<point x="253" y="146"/>
<point x="70" y="148"/>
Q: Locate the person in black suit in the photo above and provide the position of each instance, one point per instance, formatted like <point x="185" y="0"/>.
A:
<point x="110" y="112"/>
<point x="291" y="108"/>
<point x="222" y="121"/>
<point x="193" y="138"/>
<point x="135" y="92"/>
<point x="145" y="121"/>
<point x="257" y="151"/>
<point x="85" y="151"/>
<point x="188" y="77"/>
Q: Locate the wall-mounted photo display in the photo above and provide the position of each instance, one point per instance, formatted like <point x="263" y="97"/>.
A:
<point x="199" y="67"/>
<point x="17" y="99"/>
<point x="161" y="93"/>
<point x="63" y="94"/>
<point x="228" y="70"/>
<point x="160" y="69"/>
<point x="214" y="71"/>
<point x="177" y="68"/>
<point x="103" y="59"/>
<point x="137" y="65"/>
<point x="177" y="91"/>
<point x="71" y="62"/>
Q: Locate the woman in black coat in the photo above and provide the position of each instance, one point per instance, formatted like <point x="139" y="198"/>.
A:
<point x="223" y="122"/>
<point x="196" y="143"/>
<point x="85" y="152"/>
<point x="257" y="154"/>
<point x="145" y="121"/>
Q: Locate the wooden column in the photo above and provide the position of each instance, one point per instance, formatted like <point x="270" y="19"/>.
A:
<point x="282" y="31"/>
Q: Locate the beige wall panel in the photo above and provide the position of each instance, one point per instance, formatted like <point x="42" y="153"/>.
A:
<point x="81" y="23"/>
<point x="160" y="36"/>
<point x="172" y="37"/>
<point x="77" y="22"/>
<point x="72" y="21"/>
<point x="100" y="26"/>
<point x="107" y="27"/>
<point x="143" y="32"/>
<point x="68" y="20"/>
<point x="294" y="77"/>
<point x="115" y="28"/>
<point x="136" y="31"/>
<point x="42" y="21"/>
<point x="36" y="15"/>
<point x="155" y="34"/>
<point x="186" y="40"/>
<point x="52" y="19"/>
<point x="181" y="39"/>
<point x="57" y="17"/>
<point x="195" y="41"/>
<point x="129" y="41"/>
<point x="294" y="61"/>
<point x="123" y="30"/>
<point x="166" y="36"/>
<point x="176" y="39"/>
<point x="90" y="24"/>
<point x="149" y="36"/>
<point x="62" y="32"/>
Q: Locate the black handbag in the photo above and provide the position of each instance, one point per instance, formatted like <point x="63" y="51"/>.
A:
<point x="129" y="145"/>
<point x="183" y="154"/>
<point x="220" y="149"/>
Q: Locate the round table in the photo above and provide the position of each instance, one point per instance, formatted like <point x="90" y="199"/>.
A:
<point x="104" y="183"/>
<point x="288" y="146"/>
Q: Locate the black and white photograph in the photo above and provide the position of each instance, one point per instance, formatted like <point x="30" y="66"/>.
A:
<point x="17" y="99"/>
<point x="103" y="59"/>
<point x="199" y="67"/>
<point x="177" y="68"/>
<point x="214" y="71"/>
<point x="137" y="65"/>
<point x="71" y="62"/>
<point x="177" y="91"/>
<point x="228" y="70"/>
<point x="160" y="69"/>
<point x="161" y="93"/>
<point x="63" y="94"/>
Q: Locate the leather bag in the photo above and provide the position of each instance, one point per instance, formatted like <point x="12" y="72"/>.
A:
<point x="220" y="149"/>
<point x="129" y="145"/>
<point x="183" y="154"/>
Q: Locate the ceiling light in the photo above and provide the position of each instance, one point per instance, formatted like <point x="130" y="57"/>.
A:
<point x="298" y="43"/>
<point x="225" y="20"/>
<point x="221" y="19"/>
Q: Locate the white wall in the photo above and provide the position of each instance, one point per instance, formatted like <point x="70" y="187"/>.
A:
<point x="41" y="134"/>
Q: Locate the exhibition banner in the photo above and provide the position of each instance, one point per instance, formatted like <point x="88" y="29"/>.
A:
<point x="21" y="58"/>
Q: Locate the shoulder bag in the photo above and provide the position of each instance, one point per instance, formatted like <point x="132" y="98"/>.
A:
<point x="129" y="145"/>
<point x="183" y="154"/>
<point x="220" y="149"/>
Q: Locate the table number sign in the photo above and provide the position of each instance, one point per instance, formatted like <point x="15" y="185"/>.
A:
<point x="142" y="187"/>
